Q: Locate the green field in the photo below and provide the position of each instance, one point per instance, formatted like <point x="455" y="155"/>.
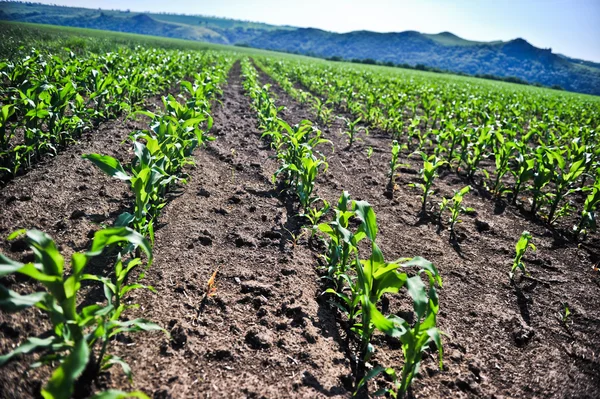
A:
<point x="183" y="219"/>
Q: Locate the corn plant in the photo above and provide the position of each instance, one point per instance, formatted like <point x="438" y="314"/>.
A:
<point x="428" y="173"/>
<point x="475" y="151"/>
<point x="394" y="164"/>
<point x="541" y="175"/>
<point x="300" y="164"/>
<point x="520" y="249"/>
<point x="502" y="152"/>
<point x="69" y="344"/>
<point x="351" y="129"/>
<point x="342" y="243"/>
<point x="307" y="176"/>
<point x="374" y="278"/>
<point x="522" y="170"/>
<point x="452" y="135"/>
<point x="146" y="181"/>
<point x="564" y="177"/>
<point x="563" y="316"/>
<point x="322" y="111"/>
<point x="454" y="205"/>
<point x="588" y="221"/>
<point x="315" y="214"/>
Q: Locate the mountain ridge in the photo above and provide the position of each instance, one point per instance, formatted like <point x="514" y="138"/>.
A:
<point x="445" y="50"/>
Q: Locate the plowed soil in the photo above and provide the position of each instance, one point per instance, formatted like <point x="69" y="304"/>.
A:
<point x="268" y="332"/>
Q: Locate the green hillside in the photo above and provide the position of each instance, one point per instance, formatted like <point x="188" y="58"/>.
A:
<point x="443" y="51"/>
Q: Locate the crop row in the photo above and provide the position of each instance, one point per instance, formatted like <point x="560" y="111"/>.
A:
<point x="534" y="149"/>
<point x="357" y="284"/>
<point x="79" y="340"/>
<point x="46" y="102"/>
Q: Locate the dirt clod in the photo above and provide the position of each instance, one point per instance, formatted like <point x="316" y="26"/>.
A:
<point x="178" y="337"/>
<point x="482" y="225"/>
<point x="205" y="240"/>
<point x="522" y="335"/>
<point x="256" y="288"/>
<point x="259" y="340"/>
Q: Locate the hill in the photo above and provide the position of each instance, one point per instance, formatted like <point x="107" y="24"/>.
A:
<point x="446" y="51"/>
<point x="516" y="58"/>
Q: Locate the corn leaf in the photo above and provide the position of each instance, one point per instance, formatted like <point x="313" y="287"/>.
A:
<point x="108" y="165"/>
<point x="63" y="379"/>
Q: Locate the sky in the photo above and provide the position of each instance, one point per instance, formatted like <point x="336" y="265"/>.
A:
<point x="570" y="27"/>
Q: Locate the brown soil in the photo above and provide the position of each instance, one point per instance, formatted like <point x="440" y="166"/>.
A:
<point x="268" y="332"/>
<point x="68" y="198"/>
<point x="501" y="340"/>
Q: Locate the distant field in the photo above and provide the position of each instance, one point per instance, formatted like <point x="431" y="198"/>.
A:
<point x="514" y="61"/>
<point x="16" y="35"/>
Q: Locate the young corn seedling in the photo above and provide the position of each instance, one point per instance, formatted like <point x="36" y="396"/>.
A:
<point x="476" y="151"/>
<point x="564" y="178"/>
<point x="146" y="182"/>
<point x="299" y="162"/>
<point x="522" y="170"/>
<point x="315" y="214"/>
<point x="589" y="213"/>
<point x="520" y="249"/>
<point x="456" y="209"/>
<point x="502" y="152"/>
<point x="542" y="175"/>
<point x="394" y="165"/>
<point x="376" y="277"/>
<point x="322" y="111"/>
<point x="563" y="316"/>
<point x="74" y="333"/>
<point x="307" y="172"/>
<point x="428" y="174"/>
<point x="342" y="242"/>
<point x="351" y="129"/>
<point x="452" y="135"/>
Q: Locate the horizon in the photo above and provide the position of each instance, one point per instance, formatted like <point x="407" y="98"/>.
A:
<point x="568" y="29"/>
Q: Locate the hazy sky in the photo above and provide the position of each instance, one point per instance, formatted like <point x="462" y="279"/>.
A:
<point x="570" y="27"/>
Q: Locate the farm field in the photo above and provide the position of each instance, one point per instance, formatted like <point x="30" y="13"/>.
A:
<point x="231" y="223"/>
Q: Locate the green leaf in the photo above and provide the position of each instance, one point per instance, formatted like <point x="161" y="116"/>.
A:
<point x="133" y="326"/>
<point x="370" y="375"/>
<point x="46" y="252"/>
<point x="11" y="301"/>
<point x="382" y="323"/>
<point x="114" y="394"/>
<point x="63" y="379"/>
<point x="142" y="153"/>
<point x="108" y="165"/>
<point x="390" y="282"/>
<point x="115" y="360"/>
<point x="8" y="266"/>
<point x="434" y="334"/>
<point x="418" y="293"/>
<point x="78" y="262"/>
<point x="424" y="264"/>
<point x="124" y="220"/>
<point x="365" y="213"/>
<point x="31" y="345"/>
<point x="107" y="237"/>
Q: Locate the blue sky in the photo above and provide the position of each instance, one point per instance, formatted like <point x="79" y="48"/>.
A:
<point x="570" y="27"/>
